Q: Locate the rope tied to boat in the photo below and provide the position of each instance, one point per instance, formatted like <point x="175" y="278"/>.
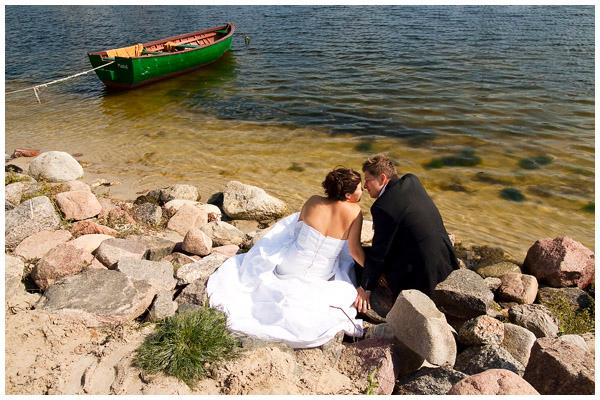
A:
<point x="36" y="88"/>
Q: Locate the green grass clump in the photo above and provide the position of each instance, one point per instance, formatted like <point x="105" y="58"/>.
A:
<point x="12" y="177"/>
<point x="572" y="319"/>
<point x="184" y="343"/>
<point x="372" y="384"/>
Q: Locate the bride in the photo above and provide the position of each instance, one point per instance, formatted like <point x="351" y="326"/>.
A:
<point x="296" y="284"/>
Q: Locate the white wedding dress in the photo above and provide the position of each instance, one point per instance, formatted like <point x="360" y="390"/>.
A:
<point x="294" y="286"/>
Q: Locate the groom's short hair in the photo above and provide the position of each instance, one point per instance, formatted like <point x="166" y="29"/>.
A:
<point x="380" y="164"/>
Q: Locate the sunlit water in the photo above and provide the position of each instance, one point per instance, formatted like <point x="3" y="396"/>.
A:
<point x="319" y="87"/>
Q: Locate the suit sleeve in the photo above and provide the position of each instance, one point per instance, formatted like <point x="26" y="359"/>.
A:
<point x="384" y="227"/>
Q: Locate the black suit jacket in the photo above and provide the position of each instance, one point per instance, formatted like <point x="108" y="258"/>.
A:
<point x="410" y="245"/>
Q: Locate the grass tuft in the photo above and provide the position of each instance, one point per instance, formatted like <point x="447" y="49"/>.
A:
<point x="372" y="384"/>
<point x="13" y="177"/>
<point x="184" y="343"/>
<point x="572" y="319"/>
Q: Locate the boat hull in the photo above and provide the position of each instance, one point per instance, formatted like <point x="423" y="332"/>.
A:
<point x="132" y="72"/>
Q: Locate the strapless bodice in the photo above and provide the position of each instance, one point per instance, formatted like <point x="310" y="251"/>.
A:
<point x="311" y="255"/>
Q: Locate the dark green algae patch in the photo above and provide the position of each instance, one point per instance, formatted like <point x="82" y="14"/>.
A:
<point x="465" y="158"/>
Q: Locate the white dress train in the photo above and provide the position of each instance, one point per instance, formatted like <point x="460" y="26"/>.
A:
<point x="294" y="286"/>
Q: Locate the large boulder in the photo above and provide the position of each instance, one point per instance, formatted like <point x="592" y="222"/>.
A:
<point x="518" y="341"/>
<point x="157" y="273"/>
<point x="518" y="287"/>
<point x="477" y="359"/>
<point x="29" y="217"/>
<point x="418" y="324"/>
<point x="560" y="262"/>
<point x="156" y="247"/>
<point x="481" y="331"/>
<point x="242" y="201"/>
<point x="429" y="381"/>
<point x="463" y="294"/>
<point x="536" y="318"/>
<point x="222" y="233"/>
<point x="55" y="166"/>
<point x="63" y="260"/>
<point x="115" y="298"/>
<point x="187" y="217"/>
<point x="493" y="382"/>
<point x="40" y="243"/>
<point x="199" y="270"/>
<point x="559" y="367"/>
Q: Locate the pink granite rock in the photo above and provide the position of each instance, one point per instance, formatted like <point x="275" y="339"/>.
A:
<point x="38" y="244"/>
<point x="517" y="287"/>
<point x="559" y="367"/>
<point x="493" y="382"/>
<point x="228" y="250"/>
<point x="81" y="228"/>
<point x="89" y="243"/>
<point x="481" y="331"/>
<point x="78" y="204"/>
<point x="187" y="217"/>
<point x="197" y="242"/>
<point x="376" y="355"/>
<point x="61" y="261"/>
<point x="560" y="262"/>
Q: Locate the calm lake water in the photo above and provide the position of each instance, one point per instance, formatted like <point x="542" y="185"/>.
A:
<point x="486" y="105"/>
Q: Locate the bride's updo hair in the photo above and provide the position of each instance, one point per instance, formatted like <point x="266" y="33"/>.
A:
<point x="339" y="182"/>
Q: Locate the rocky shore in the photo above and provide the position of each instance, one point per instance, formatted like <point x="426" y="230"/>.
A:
<point x="88" y="277"/>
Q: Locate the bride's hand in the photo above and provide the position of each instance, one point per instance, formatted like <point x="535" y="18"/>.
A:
<point x="362" y="301"/>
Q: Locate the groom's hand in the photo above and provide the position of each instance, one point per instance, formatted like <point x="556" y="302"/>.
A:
<point x="362" y="302"/>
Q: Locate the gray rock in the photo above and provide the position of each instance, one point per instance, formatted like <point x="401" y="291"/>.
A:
<point x="480" y="358"/>
<point x="464" y="295"/>
<point x="199" y="270"/>
<point x="157" y="273"/>
<point x="429" y="381"/>
<point x="115" y="298"/>
<point x="55" y="166"/>
<point x="147" y="213"/>
<point x="418" y="324"/>
<point x="518" y="341"/>
<point x="518" y="287"/>
<point x="13" y="267"/>
<point x="181" y="192"/>
<point x="40" y="243"/>
<point x="31" y="216"/>
<point x="111" y="251"/>
<point x="13" y="193"/>
<point x="498" y="269"/>
<point x="536" y="318"/>
<point x="480" y="331"/>
<point x="223" y="233"/>
<point x="194" y="293"/>
<point x="558" y="367"/>
<point x="162" y="307"/>
<point x="178" y="259"/>
<point x="493" y="283"/>
<point x="576" y="340"/>
<point x="242" y="201"/>
<point x="63" y="260"/>
<point x="156" y="247"/>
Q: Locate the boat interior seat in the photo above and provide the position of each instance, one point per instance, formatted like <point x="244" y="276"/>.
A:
<point x="130" y="51"/>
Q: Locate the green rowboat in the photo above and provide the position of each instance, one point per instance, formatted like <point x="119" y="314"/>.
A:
<point x="144" y="63"/>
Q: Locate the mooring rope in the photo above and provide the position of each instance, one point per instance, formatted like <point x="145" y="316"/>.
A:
<point x="37" y="87"/>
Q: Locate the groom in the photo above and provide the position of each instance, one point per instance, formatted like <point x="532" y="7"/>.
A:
<point x="411" y="248"/>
